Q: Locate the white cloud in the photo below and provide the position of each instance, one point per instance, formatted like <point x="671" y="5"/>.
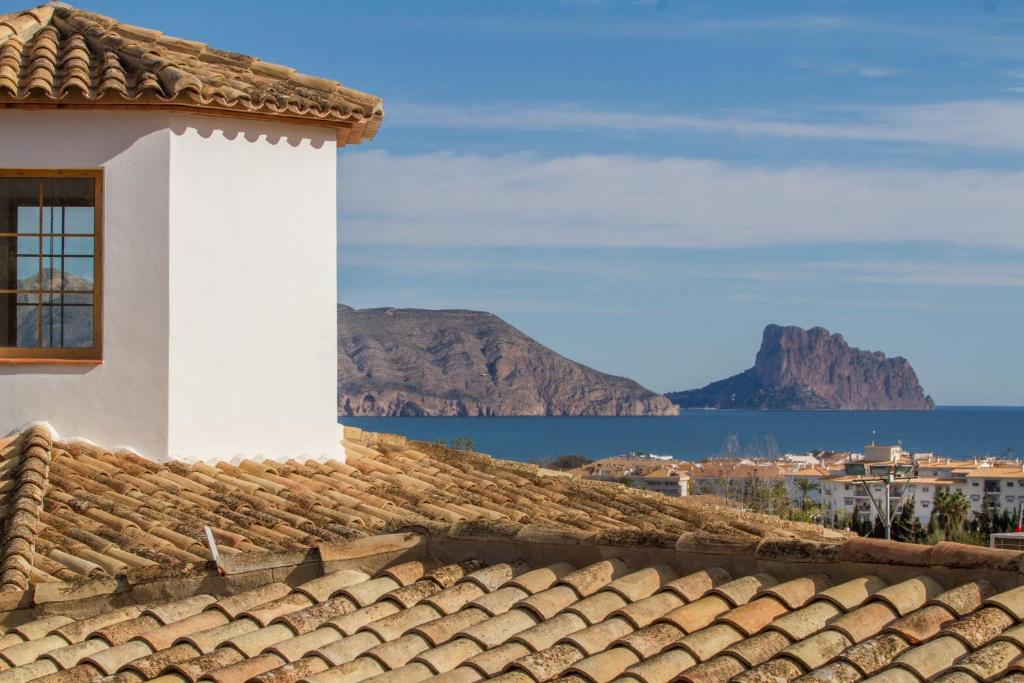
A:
<point x="472" y="200"/>
<point x="991" y="124"/>
<point x="846" y="69"/>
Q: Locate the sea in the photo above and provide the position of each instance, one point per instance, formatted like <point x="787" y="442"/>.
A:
<point x="953" y="431"/>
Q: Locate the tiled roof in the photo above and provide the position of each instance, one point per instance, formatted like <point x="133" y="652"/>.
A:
<point x="58" y="54"/>
<point x="509" y="576"/>
<point x="468" y="606"/>
<point x="81" y="510"/>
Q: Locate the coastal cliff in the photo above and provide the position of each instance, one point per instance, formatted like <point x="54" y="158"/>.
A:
<point x="797" y="369"/>
<point x="415" y="362"/>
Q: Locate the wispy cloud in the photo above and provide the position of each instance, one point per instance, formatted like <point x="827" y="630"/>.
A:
<point x="972" y="269"/>
<point x="626" y="201"/>
<point x="846" y="69"/>
<point x="936" y="273"/>
<point x="990" y="124"/>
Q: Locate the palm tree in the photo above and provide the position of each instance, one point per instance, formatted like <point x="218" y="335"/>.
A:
<point x="806" y="486"/>
<point x="951" y="509"/>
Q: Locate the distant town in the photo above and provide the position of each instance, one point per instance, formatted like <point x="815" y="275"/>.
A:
<point x="927" y="493"/>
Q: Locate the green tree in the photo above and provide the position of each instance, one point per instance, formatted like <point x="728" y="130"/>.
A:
<point x="768" y="497"/>
<point x="984" y="522"/>
<point x="462" y="443"/>
<point x="907" y="527"/>
<point x="806" y="486"/>
<point x="1006" y="522"/>
<point x="568" y="462"/>
<point x="951" y="510"/>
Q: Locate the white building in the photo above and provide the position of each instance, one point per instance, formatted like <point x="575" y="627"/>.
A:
<point x="883" y="454"/>
<point x="168" y="240"/>
<point x="670" y="484"/>
<point x="844" y="495"/>
<point x="997" y="485"/>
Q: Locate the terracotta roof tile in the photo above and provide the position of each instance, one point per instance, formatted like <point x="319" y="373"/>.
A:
<point x="989" y="661"/>
<point x="109" y="513"/>
<point x="817" y="650"/>
<point x="739" y="591"/>
<point x="932" y="657"/>
<point x="698" y="614"/>
<point x="604" y="666"/>
<point x="876" y="653"/>
<point x="717" y="670"/>
<point x="853" y="593"/>
<point x="755" y="615"/>
<point x="977" y="628"/>
<point x="598" y="637"/>
<point x="796" y="593"/>
<point x="922" y="624"/>
<point x="759" y="648"/>
<point x="967" y="597"/>
<point x="1011" y="601"/>
<point x="909" y="595"/>
<point x="807" y="621"/>
<point x="391" y="610"/>
<point x="56" y="53"/>
<point x="410" y="639"/>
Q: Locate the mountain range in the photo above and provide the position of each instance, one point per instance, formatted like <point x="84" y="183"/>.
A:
<point x="416" y="362"/>
<point x="413" y="362"/>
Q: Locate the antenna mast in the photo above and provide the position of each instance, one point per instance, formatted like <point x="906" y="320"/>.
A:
<point x="893" y="474"/>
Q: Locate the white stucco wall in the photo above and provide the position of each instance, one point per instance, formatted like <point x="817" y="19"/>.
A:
<point x="219" y="287"/>
<point x="253" y="356"/>
<point x="124" y="400"/>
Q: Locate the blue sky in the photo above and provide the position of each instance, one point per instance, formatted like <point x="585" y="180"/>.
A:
<point x="644" y="185"/>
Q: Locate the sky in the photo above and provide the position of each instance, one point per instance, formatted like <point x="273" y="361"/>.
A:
<point x="643" y="186"/>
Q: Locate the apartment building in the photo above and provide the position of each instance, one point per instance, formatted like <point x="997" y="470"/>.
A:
<point x="658" y="474"/>
<point x="986" y="483"/>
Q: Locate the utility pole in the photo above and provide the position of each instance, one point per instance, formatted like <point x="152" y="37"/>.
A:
<point x="892" y="475"/>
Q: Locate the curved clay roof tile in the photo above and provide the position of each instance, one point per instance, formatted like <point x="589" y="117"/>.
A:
<point x="138" y="64"/>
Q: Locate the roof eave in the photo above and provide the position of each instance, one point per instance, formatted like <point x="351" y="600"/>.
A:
<point x="349" y="131"/>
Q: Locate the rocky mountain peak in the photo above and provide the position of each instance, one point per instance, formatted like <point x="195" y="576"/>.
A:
<point x="813" y="369"/>
<point x="401" y="361"/>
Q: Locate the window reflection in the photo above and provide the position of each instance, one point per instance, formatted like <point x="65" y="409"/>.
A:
<point x="47" y="262"/>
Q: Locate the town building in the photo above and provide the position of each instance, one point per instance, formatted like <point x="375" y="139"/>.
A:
<point x="830" y="481"/>
<point x="658" y="474"/>
<point x="987" y="483"/>
<point x="168" y="240"/>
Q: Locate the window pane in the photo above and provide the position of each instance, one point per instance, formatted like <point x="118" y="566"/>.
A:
<point x="68" y="204"/>
<point x="52" y="274"/>
<point x="51" y="244"/>
<point x="27" y="246"/>
<point x="19" y="204"/>
<point x="74" y="320"/>
<point x="78" y="273"/>
<point x="67" y="321"/>
<point x="79" y="246"/>
<point x="28" y="326"/>
<point x="79" y="219"/>
<point x="28" y="219"/>
<point x="28" y="273"/>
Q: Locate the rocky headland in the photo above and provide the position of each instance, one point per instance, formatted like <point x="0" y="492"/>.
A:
<point x="414" y="362"/>
<point x="798" y="369"/>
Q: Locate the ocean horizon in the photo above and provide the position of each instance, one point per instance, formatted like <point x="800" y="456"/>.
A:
<point x="954" y="431"/>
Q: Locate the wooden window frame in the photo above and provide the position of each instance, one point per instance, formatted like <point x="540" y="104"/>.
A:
<point x="69" y="356"/>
